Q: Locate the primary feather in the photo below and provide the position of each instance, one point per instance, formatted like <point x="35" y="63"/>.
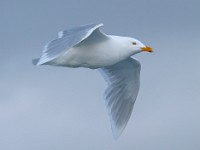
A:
<point x="123" y="81"/>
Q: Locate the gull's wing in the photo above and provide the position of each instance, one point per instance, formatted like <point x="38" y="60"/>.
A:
<point x="67" y="39"/>
<point x="123" y="81"/>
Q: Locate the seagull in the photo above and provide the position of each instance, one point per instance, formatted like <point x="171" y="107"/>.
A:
<point x="87" y="46"/>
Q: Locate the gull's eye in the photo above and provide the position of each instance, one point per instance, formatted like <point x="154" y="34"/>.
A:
<point x="134" y="43"/>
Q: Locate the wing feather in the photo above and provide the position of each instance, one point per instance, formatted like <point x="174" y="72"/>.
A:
<point x="66" y="40"/>
<point x="123" y="85"/>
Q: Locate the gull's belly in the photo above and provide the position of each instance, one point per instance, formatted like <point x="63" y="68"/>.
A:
<point x="85" y="58"/>
<point x="90" y="57"/>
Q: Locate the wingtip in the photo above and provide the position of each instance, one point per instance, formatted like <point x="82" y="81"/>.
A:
<point x="35" y="61"/>
<point x="101" y="24"/>
<point x="116" y="131"/>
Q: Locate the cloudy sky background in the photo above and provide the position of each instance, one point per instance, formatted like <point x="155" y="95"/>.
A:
<point x="48" y="108"/>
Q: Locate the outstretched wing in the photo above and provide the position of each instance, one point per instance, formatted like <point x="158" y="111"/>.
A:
<point x="123" y="81"/>
<point x="67" y="39"/>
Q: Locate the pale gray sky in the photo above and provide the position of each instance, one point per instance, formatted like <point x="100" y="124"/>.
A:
<point x="48" y="108"/>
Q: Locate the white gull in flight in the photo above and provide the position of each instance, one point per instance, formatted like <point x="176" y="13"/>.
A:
<point x="87" y="46"/>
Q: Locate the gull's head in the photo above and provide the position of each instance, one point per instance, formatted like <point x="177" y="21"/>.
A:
<point x="136" y="46"/>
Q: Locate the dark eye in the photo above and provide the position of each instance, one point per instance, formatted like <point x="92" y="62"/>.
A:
<point x="134" y="43"/>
